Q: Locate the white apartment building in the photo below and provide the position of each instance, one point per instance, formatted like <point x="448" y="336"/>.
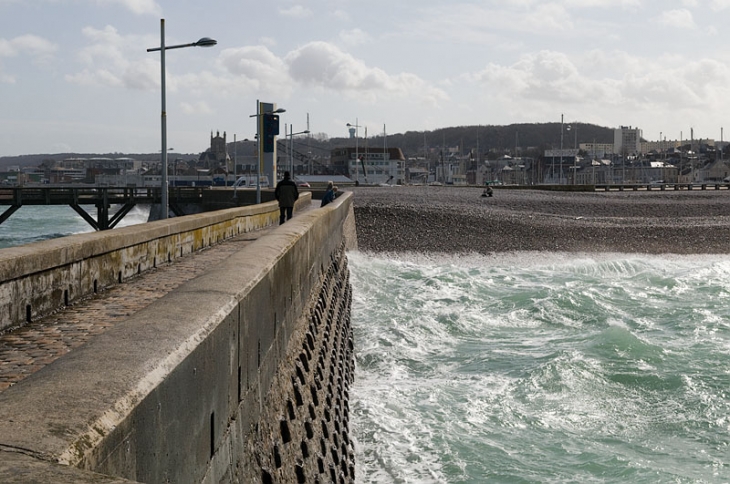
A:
<point x="627" y="141"/>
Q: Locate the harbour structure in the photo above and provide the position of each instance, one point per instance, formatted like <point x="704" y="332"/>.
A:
<point x="235" y="365"/>
<point x="370" y="165"/>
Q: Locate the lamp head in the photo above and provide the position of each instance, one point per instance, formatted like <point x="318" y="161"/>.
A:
<point x="205" y="42"/>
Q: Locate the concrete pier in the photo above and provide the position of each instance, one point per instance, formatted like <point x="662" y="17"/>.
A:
<point x="236" y="368"/>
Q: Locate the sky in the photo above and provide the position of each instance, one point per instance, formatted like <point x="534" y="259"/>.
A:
<point x="75" y="75"/>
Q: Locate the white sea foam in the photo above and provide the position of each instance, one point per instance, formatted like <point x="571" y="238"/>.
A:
<point x="541" y="367"/>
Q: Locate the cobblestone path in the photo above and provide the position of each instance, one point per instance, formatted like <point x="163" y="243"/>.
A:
<point x="27" y="349"/>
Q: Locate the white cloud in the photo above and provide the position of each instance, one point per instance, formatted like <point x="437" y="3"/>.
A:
<point x="139" y="7"/>
<point x="201" y="107"/>
<point x="39" y="50"/>
<point x="32" y="45"/>
<point x="718" y="5"/>
<point x="268" y="41"/>
<point x="113" y="60"/>
<point x="143" y="75"/>
<point x="550" y="17"/>
<point x="323" y="65"/>
<point x="104" y="58"/>
<point x="6" y="48"/>
<point x="355" y="37"/>
<point x="628" y="84"/>
<point x="602" y="3"/>
<point x="255" y="67"/>
<point x="296" y="11"/>
<point x="544" y="77"/>
<point x="477" y="24"/>
<point x="341" y="16"/>
<point x="679" y="18"/>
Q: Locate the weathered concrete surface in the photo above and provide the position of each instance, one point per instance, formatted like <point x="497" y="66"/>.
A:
<point x="186" y="390"/>
<point x="41" y="277"/>
<point x="25" y="469"/>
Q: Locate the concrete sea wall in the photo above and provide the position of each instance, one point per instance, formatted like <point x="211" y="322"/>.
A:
<point x="36" y="279"/>
<point x="240" y="375"/>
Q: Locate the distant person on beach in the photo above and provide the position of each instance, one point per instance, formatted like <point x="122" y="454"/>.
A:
<point x="286" y="193"/>
<point x="329" y="195"/>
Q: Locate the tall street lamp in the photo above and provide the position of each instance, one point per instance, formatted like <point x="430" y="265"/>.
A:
<point x="357" y="155"/>
<point x="260" y="146"/>
<point x="561" y="149"/>
<point x="235" y="173"/>
<point x="203" y="42"/>
<point x="575" y="147"/>
<point x="291" y="147"/>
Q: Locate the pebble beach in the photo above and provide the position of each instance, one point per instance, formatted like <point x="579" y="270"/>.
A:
<point x="446" y="219"/>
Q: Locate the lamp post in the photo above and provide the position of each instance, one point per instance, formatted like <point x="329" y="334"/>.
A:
<point x="575" y="147"/>
<point x="291" y="147"/>
<point x="260" y="145"/>
<point x="203" y="42"/>
<point x="661" y="146"/>
<point x="561" y="149"/>
<point x="235" y="174"/>
<point x="357" y="155"/>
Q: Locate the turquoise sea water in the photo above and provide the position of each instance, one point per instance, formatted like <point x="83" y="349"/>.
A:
<point x="541" y="368"/>
<point x="526" y="368"/>
<point x="33" y="223"/>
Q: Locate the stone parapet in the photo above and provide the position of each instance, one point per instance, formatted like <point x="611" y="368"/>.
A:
<point x="38" y="278"/>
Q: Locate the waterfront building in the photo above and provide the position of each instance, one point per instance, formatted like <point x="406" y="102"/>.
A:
<point x="417" y="174"/>
<point x="381" y="165"/>
<point x="559" y="165"/>
<point x="715" y="171"/>
<point x="597" y="150"/>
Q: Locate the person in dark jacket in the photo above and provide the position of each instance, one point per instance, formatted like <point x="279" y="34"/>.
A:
<point x="329" y="195"/>
<point x="286" y="193"/>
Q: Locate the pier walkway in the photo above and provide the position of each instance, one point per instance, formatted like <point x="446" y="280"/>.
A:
<point x="27" y="349"/>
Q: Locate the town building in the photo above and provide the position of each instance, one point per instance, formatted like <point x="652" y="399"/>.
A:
<point x="627" y="141"/>
<point x="597" y="150"/>
<point x="369" y="165"/>
<point x="216" y="157"/>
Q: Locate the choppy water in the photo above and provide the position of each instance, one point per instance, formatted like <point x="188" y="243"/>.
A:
<point x="541" y="368"/>
<point x="32" y="223"/>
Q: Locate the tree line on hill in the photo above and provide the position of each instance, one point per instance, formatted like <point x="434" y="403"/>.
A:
<point x="529" y="139"/>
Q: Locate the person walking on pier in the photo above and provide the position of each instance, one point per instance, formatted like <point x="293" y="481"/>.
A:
<point x="286" y="193"/>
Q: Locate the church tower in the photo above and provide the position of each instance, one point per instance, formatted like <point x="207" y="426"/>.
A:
<point x="216" y="157"/>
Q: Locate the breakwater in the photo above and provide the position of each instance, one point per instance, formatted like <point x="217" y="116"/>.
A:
<point x="241" y="374"/>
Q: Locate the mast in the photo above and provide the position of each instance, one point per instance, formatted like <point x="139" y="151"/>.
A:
<point x="425" y="158"/>
<point x="365" y="158"/>
<point x="309" y="149"/>
<point x="385" y="151"/>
